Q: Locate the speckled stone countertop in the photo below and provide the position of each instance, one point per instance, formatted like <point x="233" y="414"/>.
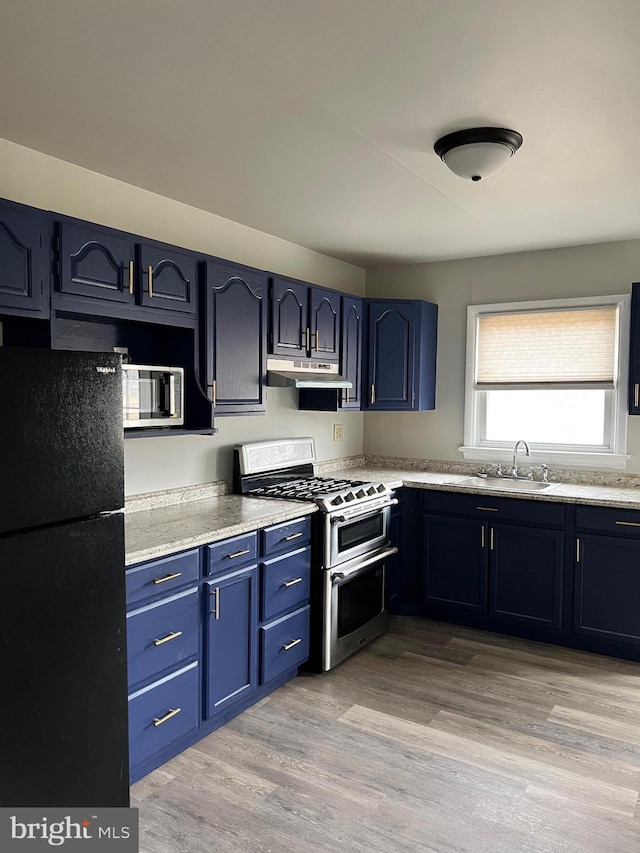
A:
<point x="578" y="493"/>
<point x="167" y="529"/>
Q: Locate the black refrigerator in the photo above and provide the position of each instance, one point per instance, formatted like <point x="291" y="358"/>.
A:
<point x="63" y="670"/>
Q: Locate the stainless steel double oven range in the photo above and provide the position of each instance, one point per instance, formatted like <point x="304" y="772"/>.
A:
<point x="350" y="542"/>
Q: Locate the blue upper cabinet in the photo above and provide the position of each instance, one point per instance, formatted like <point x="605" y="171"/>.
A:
<point x="123" y="277"/>
<point x="234" y="338"/>
<point x="24" y="261"/>
<point x="168" y="277"/>
<point x="401" y="355"/>
<point x="96" y="262"/>
<point x="634" y="359"/>
<point x="305" y="321"/>
<point x="351" y="351"/>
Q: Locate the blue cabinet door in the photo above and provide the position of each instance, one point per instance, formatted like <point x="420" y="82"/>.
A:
<point x="634" y="357"/>
<point x="525" y="574"/>
<point x="168" y="278"/>
<point x="351" y="351"/>
<point x="24" y="260"/>
<point x="235" y="338"/>
<point x="324" y="324"/>
<point x="96" y="262"/>
<point x="455" y="563"/>
<point x="290" y="333"/>
<point x="401" y="355"/>
<point x="607" y="588"/>
<point x="231" y="639"/>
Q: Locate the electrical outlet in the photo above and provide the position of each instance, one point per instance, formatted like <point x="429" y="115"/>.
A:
<point x="337" y="432"/>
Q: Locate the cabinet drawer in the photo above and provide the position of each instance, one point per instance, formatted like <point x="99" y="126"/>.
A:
<point x="285" y="583"/>
<point x="162" y="577"/>
<point x="284" y="644"/>
<point x="492" y="508"/>
<point x="232" y="553"/>
<point x="622" y="522"/>
<point x="163" y="712"/>
<point x="162" y="635"/>
<point x="282" y="537"/>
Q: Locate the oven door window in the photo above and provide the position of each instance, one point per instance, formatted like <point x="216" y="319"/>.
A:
<point x="360" y="599"/>
<point x="354" y="533"/>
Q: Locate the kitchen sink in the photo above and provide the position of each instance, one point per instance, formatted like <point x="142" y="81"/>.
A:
<point x="506" y="484"/>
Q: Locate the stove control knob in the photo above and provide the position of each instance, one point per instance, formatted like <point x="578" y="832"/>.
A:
<point x="382" y="488"/>
<point x="337" y="500"/>
<point x="349" y="496"/>
<point x="371" y="490"/>
<point x="361" y="493"/>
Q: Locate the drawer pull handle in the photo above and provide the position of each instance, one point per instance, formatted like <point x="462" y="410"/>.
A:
<point x="292" y="582"/>
<point x="239" y="554"/>
<point x="636" y="394"/>
<point x="487" y="508"/>
<point x="216" y="609"/>
<point x="292" y="536"/>
<point x="290" y="645"/>
<point x="167" y="578"/>
<point x="629" y="523"/>
<point x="158" y="721"/>
<point x="172" y="636"/>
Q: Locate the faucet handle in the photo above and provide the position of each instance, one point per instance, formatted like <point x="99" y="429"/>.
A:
<point x="545" y="473"/>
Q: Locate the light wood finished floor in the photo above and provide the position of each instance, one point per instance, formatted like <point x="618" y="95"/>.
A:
<point x="433" y="738"/>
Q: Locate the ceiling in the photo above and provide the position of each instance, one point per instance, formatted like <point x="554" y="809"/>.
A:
<point x="314" y="120"/>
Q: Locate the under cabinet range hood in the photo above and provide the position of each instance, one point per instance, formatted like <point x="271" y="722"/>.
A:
<point x="285" y="373"/>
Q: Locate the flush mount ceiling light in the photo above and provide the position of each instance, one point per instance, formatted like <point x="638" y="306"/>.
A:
<point x="477" y="152"/>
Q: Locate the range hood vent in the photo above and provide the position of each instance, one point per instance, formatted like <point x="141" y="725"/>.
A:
<point x="284" y="373"/>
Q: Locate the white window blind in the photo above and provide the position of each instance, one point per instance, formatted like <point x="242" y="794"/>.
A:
<point x="566" y="346"/>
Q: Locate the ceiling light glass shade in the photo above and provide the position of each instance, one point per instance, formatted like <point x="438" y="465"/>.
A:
<point x="478" y="152"/>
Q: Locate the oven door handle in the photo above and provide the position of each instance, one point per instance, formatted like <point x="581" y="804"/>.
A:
<point x="378" y="557"/>
<point x="338" y="519"/>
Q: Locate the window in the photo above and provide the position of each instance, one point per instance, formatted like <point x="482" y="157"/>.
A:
<point x="553" y="373"/>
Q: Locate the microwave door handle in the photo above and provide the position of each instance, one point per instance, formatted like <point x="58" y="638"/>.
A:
<point x="379" y="557"/>
<point x="169" y="394"/>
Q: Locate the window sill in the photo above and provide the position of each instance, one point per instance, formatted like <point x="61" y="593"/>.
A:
<point x="552" y="458"/>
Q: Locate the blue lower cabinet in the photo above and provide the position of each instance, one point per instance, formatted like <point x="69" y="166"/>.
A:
<point x="285" y="583"/>
<point x="231" y="638"/>
<point x="162" y="713"/>
<point x="284" y="644"/>
<point x="162" y="635"/>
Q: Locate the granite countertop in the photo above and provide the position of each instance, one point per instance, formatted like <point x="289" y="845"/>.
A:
<point x="162" y="530"/>
<point x="614" y="496"/>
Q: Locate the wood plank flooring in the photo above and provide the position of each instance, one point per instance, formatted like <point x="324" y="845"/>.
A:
<point x="435" y="738"/>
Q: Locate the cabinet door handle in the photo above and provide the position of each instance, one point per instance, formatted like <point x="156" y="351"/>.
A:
<point x="158" y="721"/>
<point x="636" y="395"/>
<point x="131" y="278"/>
<point x="216" y="609"/>
<point x="167" y="578"/>
<point x="172" y="636"/>
<point x="292" y="536"/>
<point x="308" y="343"/>
<point x="316" y="336"/>
<point x="577" y="550"/>
<point x="213" y="393"/>
<point x="150" y="282"/>
<point x="628" y="523"/>
<point x="290" y="645"/>
<point x="373" y="394"/>
<point x="292" y="582"/>
<point x="487" y="508"/>
<point x="239" y="554"/>
<point x="482" y="536"/>
<point x="491" y="538"/>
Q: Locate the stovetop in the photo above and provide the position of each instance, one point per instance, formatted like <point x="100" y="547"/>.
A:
<point x="327" y="492"/>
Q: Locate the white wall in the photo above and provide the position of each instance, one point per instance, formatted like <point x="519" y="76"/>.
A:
<point x="606" y="268"/>
<point x="160" y="463"/>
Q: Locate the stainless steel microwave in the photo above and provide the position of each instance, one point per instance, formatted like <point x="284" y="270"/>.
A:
<point x="152" y="396"/>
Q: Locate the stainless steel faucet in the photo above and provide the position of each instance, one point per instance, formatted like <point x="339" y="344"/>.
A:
<point x="514" y="469"/>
